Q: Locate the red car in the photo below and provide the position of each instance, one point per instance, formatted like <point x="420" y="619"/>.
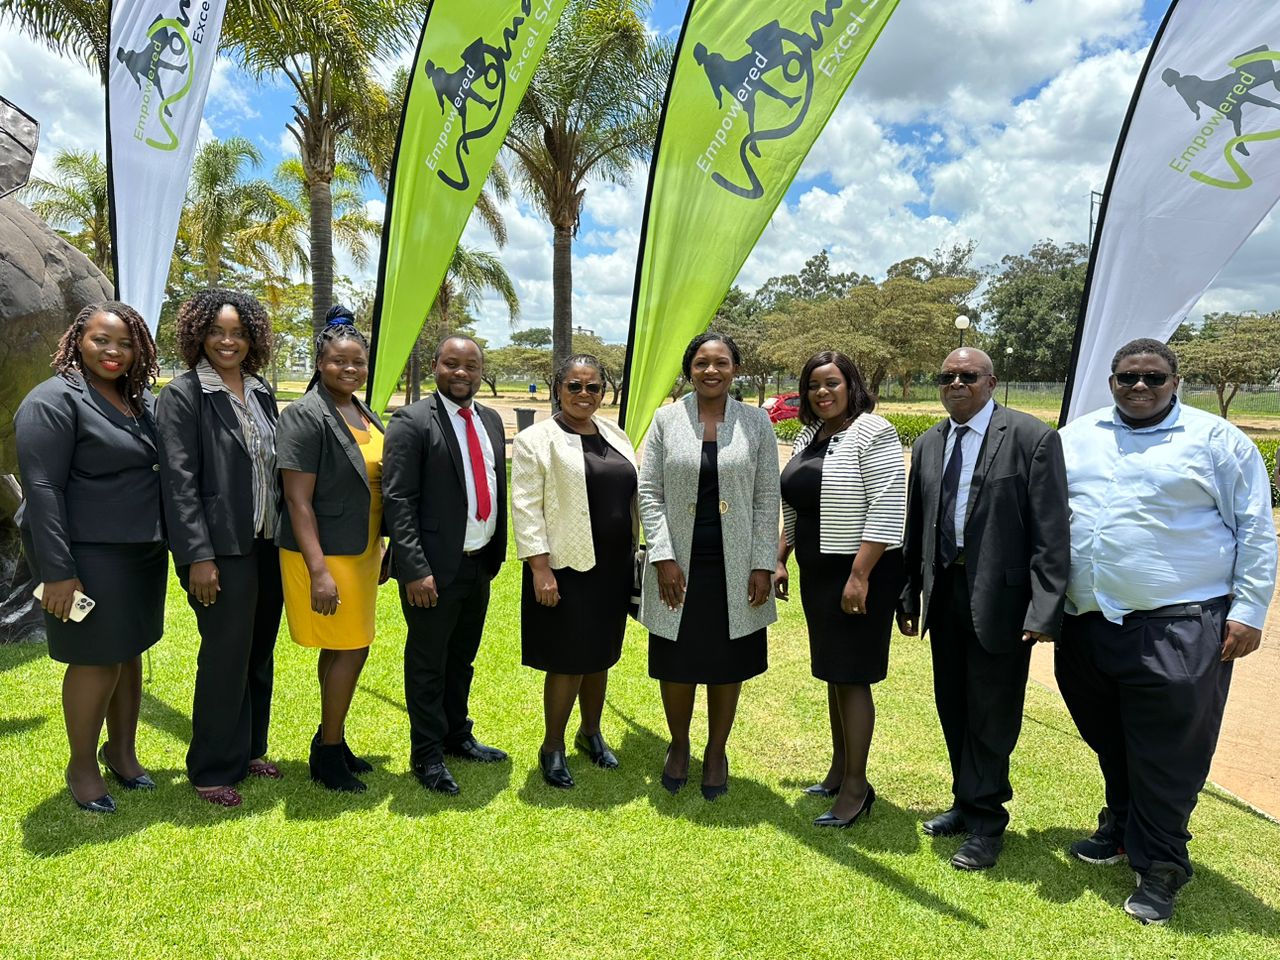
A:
<point x="785" y="406"/>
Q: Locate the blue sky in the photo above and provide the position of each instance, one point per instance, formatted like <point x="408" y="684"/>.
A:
<point x="990" y="120"/>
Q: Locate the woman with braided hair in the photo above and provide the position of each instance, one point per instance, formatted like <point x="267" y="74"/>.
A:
<point x="329" y="451"/>
<point x="217" y="425"/>
<point x="91" y="528"/>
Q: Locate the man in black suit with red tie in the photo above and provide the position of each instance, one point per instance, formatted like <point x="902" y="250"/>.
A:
<point x="986" y="545"/>
<point x="444" y="495"/>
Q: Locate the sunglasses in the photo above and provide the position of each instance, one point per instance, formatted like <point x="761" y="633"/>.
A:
<point x="574" y="386"/>
<point x="1150" y="379"/>
<point x="966" y="376"/>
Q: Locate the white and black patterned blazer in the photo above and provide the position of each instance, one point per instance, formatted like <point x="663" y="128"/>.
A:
<point x="864" y="487"/>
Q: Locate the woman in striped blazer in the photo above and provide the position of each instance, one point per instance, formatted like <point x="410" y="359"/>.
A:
<point x="844" y="497"/>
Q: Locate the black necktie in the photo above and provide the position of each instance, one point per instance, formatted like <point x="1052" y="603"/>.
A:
<point x="947" y="549"/>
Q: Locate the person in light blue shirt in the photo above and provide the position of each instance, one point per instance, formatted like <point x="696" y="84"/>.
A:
<point x="1173" y="565"/>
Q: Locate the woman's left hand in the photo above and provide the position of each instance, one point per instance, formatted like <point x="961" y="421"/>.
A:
<point x="853" y="599"/>
<point x="759" y="586"/>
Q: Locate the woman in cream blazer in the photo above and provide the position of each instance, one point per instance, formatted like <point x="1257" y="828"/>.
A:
<point x="573" y="490"/>
<point x="709" y="505"/>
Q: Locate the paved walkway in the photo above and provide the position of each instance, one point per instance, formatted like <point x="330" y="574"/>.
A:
<point x="1247" y="762"/>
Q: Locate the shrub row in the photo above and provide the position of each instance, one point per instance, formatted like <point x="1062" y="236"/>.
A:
<point x="911" y="425"/>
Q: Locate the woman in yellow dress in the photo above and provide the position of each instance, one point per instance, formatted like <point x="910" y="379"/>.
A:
<point x="329" y="450"/>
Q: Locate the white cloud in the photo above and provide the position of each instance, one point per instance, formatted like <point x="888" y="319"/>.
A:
<point x="65" y="97"/>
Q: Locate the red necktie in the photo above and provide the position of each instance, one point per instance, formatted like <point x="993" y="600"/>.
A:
<point x="477" y="465"/>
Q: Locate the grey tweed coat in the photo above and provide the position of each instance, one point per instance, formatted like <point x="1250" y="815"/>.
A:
<point x="747" y="453"/>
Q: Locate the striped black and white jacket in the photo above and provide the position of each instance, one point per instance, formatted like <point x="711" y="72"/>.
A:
<point x="864" y="487"/>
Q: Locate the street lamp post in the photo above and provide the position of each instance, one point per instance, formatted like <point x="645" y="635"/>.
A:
<point x="1008" y="354"/>
<point x="962" y="324"/>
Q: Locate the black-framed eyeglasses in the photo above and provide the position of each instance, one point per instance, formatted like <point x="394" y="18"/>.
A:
<point x="1150" y="379"/>
<point x="964" y="376"/>
<point x="574" y="386"/>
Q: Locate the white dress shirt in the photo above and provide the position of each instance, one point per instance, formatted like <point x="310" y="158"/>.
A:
<point x="970" y="445"/>
<point x="1177" y="512"/>
<point x="479" y="532"/>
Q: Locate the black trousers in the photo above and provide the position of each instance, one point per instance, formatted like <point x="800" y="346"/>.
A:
<point x="1147" y="696"/>
<point x="979" y="695"/>
<point x="235" y="667"/>
<point x="438" y="657"/>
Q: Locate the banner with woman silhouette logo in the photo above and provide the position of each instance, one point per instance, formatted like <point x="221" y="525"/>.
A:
<point x="162" y="54"/>
<point x="473" y="65"/>
<point x="752" y="86"/>
<point x="1196" y="169"/>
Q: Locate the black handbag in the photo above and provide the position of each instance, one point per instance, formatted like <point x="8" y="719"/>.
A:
<point x="637" y="580"/>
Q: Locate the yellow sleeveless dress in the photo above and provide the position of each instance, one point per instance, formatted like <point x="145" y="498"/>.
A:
<point x="351" y="627"/>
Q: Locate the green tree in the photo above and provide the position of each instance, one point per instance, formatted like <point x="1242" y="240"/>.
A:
<point x="1232" y="350"/>
<point x="815" y="281"/>
<point x="74" y="202"/>
<point x="326" y="52"/>
<point x="223" y="208"/>
<point x="591" y="110"/>
<point x="902" y="326"/>
<point x="1033" y="304"/>
<point x="80" y="29"/>
<point x="742" y="318"/>
<point x="535" y="338"/>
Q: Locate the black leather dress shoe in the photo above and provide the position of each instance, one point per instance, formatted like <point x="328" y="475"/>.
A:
<point x="978" y="853"/>
<point x="595" y="748"/>
<point x="555" y="769"/>
<point x="436" y="776"/>
<point x="473" y="749"/>
<point x="949" y="823"/>
<point x="818" y="790"/>
<point x="143" y="782"/>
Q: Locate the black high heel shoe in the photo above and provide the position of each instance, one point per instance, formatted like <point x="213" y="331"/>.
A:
<point x="104" y="804"/>
<point x="143" y="782"/>
<point x="711" y="793"/>
<point x="673" y="784"/>
<point x="827" y="820"/>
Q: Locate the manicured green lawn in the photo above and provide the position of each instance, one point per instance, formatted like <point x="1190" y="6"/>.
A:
<point x="615" y="868"/>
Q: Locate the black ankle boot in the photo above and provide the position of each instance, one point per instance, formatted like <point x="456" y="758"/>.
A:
<point x="354" y="764"/>
<point x="329" y="768"/>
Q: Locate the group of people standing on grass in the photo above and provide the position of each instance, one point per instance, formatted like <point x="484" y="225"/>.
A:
<point x="1139" y="539"/>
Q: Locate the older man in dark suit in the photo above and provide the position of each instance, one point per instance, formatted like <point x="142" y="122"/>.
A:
<point x="444" y="490"/>
<point x="987" y="547"/>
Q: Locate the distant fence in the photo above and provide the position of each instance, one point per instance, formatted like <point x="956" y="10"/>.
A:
<point x="1250" y="401"/>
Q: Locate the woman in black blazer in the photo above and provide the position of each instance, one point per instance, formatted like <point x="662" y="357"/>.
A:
<point x="329" y="450"/>
<point x="91" y="527"/>
<point x="221" y="501"/>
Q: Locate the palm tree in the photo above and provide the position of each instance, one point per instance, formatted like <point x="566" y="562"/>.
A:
<point x="278" y="241"/>
<point x="223" y="209"/>
<point x="80" y="29"/>
<point x="591" y="110"/>
<point x="74" y="202"/>
<point x="325" y="54"/>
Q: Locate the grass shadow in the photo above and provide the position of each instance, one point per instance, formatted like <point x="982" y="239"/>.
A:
<point x="480" y="784"/>
<point x="750" y="803"/>
<point x="1039" y="859"/>
<point x="54" y="827"/>
<point x="14" y="655"/>
<point x="16" y="726"/>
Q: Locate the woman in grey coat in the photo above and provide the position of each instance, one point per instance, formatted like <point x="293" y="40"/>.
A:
<point x="708" y="499"/>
